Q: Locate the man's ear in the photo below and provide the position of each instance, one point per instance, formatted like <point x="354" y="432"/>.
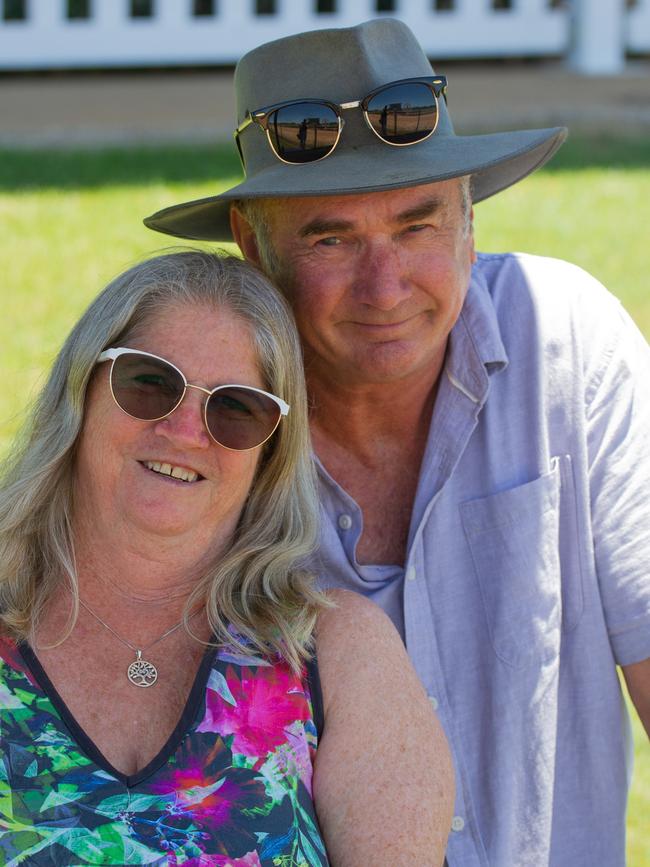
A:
<point x="244" y="236"/>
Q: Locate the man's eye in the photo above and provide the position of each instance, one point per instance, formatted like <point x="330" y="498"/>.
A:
<point x="331" y="241"/>
<point x="417" y="227"/>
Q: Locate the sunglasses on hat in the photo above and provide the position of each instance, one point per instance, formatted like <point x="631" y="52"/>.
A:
<point x="149" y="388"/>
<point x="401" y="113"/>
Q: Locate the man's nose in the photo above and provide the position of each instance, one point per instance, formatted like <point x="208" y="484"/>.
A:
<point x="185" y="427"/>
<point x="382" y="280"/>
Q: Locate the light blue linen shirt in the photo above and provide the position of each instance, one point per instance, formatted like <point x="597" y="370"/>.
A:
<point x="527" y="576"/>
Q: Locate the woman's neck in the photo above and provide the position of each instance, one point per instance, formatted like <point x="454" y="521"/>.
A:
<point x="134" y="567"/>
<point x="131" y="578"/>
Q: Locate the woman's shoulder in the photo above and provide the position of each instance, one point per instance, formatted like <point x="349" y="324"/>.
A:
<point x="354" y="637"/>
<point x="351" y="618"/>
<point x="379" y="727"/>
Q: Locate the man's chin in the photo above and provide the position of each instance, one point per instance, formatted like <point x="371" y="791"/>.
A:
<point x="380" y="364"/>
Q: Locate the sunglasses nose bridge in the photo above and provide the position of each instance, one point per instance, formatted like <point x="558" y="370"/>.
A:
<point x="199" y="388"/>
<point x="186" y="422"/>
<point x="345" y="106"/>
<point x="206" y="391"/>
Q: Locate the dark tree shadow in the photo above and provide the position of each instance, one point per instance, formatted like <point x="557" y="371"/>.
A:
<point x="602" y="152"/>
<point x="77" y="169"/>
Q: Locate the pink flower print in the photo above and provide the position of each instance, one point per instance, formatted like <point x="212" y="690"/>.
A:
<point x="290" y="761"/>
<point x="251" y="859"/>
<point x="207" y="788"/>
<point x="10" y="654"/>
<point x="301" y="755"/>
<point x="268" y="699"/>
<point x="212" y="800"/>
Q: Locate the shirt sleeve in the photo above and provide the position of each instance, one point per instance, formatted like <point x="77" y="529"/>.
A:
<point x="618" y="441"/>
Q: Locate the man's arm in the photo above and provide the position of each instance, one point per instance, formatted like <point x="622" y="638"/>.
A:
<point x="618" y="416"/>
<point x="637" y="677"/>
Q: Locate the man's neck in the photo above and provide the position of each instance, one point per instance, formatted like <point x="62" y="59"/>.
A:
<point x="372" y="440"/>
<point x="363" y="419"/>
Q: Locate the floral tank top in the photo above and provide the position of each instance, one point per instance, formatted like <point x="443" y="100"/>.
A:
<point x="232" y="786"/>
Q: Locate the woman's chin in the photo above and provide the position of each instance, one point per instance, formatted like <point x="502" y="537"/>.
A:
<point x="162" y="516"/>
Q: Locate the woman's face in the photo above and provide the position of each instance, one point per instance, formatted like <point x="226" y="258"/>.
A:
<point x="116" y="486"/>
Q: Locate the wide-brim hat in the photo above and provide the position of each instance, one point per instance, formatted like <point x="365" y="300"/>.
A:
<point x="343" y="65"/>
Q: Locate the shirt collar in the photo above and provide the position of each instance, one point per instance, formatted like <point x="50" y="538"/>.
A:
<point x="475" y="349"/>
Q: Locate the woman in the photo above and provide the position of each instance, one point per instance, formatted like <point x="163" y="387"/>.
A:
<point x="159" y="701"/>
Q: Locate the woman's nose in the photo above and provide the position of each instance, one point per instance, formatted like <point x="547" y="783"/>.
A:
<point x="185" y="426"/>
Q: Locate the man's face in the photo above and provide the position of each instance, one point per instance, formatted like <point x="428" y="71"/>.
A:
<point x="376" y="281"/>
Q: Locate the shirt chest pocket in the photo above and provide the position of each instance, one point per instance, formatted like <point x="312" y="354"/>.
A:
<point x="515" y="541"/>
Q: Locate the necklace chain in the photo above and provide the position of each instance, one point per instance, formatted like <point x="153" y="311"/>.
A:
<point x="140" y="672"/>
<point x="123" y="640"/>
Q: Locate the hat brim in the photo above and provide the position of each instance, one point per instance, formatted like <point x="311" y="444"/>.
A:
<point x="494" y="161"/>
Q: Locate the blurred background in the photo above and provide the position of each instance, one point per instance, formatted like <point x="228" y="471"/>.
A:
<point x="123" y="71"/>
<point x="112" y="109"/>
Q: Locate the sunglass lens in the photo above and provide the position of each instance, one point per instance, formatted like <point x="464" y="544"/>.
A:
<point x="402" y="114"/>
<point x="240" y="418"/>
<point x="303" y="132"/>
<point x="145" y="387"/>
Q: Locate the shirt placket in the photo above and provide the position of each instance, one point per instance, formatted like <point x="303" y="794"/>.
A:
<point x="455" y="419"/>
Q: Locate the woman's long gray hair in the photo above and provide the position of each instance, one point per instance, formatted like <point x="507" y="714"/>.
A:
<point x="258" y="589"/>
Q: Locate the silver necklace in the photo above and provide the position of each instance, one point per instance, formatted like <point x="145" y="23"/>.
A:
<point x="141" y="672"/>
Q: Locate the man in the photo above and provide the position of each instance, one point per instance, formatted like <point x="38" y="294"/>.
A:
<point x="481" y="424"/>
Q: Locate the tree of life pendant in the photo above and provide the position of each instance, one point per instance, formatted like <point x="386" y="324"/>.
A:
<point x="141" y="672"/>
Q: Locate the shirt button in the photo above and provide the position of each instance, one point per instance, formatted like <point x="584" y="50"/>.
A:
<point x="457" y="823"/>
<point x="411" y="574"/>
<point x="345" y="522"/>
<point x="434" y="702"/>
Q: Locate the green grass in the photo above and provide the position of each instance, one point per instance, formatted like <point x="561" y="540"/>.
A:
<point x="72" y="220"/>
<point x="638" y="836"/>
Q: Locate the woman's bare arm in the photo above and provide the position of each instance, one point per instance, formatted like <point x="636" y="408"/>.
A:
<point x="383" y="779"/>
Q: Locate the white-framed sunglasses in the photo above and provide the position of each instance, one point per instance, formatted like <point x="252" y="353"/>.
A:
<point x="149" y="388"/>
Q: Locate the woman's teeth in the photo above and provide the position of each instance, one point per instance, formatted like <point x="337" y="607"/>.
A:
<point x="175" y="472"/>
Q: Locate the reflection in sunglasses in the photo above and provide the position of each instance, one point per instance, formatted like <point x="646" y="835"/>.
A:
<point x="400" y="113"/>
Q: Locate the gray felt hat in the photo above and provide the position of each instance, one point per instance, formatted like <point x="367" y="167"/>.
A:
<point x="342" y="65"/>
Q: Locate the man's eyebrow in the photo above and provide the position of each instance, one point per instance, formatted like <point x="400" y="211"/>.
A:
<point x="421" y="211"/>
<point x="320" y="226"/>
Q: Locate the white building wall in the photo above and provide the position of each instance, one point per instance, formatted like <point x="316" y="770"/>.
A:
<point x="473" y="29"/>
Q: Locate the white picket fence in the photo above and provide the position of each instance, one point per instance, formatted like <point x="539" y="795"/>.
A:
<point x="637" y="28"/>
<point x="594" y="35"/>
